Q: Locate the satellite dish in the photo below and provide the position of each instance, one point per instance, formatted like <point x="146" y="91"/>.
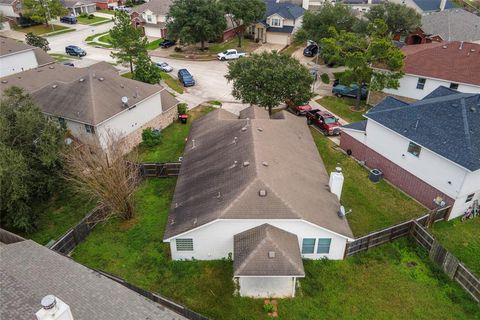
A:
<point x="124" y="99"/>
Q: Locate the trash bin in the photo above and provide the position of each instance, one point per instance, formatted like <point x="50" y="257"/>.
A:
<point x="375" y="175"/>
<point x="183" y="118"/>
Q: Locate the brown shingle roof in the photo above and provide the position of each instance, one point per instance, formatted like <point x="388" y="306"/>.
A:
<point x="42" y="57"/>
<point x="10" y="46"/>
<point x="227" y="161"/>
<point x="252" y="253"/>
<point x="88" y="95"/>
<point x="445" y="61"/>
<point x="158" y="7"/>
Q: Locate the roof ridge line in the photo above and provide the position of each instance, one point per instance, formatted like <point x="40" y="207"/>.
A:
<point x="281" y="250"/>
<point x="465" y="124"/>
<point x="249" y="257"/>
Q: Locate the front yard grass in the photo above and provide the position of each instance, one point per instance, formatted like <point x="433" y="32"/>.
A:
<point x="95" y="20"/>
<point x="374" y="205"/>
<point x="43" y="29"/>
<point x="173" y="83"/>
<point x="154" y="44"/>
<point x="462" y="239"/>
<point x="173" y="139"/>
<point x="63" y="57"/>
<point x="395" y="281"/>
<point x="341" y="107"/>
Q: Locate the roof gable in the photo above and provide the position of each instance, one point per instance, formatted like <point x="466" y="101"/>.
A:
<point x="285" y="10"/>
<point x="452" y="25"/>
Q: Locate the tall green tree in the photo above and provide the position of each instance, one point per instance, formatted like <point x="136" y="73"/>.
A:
<point x="128" y="40"/>
<point x="244" y="12"/>
<point x="268" y="79"/>
<point x="30" y="158"/>
<point x="43" y="11"/>
<point x="398" y="17"/>
<point x="381" y="53"/>
<point x="146" y="70"/>
<point x="338" y="44"/>
<point x="37" y="41"/>
<point x="193" y="21"/>
<point x="316" y="24"/>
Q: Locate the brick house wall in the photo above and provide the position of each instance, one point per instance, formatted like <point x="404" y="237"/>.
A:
<point x="404" y="180"/>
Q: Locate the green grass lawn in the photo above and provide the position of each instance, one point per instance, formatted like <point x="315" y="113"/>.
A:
<point x="106" y="38"/>
<point x="63" y="211"/>
<point x="93" y="36"/>
<point x="127" y="75"/>
<point x="63" y="57"/>
<point x="42" y="29"/>
<point x="173" y="139"/>
<point x="173" y="83"/>
<point x="154" y="44"/>
<point x="247" y="45"/>
<point x="95" y="19"/>
<point x="291" y="49"/>
<point x="395" y="281"/>
<point x="106" y="11"/>
<point x="462" y="239"/>
<point x="374" y="205"/>
<point x="341" y="107"/>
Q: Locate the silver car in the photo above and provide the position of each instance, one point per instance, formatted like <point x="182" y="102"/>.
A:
<point x="164" y="66"/>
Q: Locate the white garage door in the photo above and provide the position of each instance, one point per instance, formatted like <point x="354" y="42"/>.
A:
<point x="277" y="38"/>
<point x="153" y="32"/>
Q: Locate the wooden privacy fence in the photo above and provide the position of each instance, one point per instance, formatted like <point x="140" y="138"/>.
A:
<point x="178" y="308"/>
<point x="446" y="261"/>
<point x="160" y="170"/>
<point x="77" y="234"/>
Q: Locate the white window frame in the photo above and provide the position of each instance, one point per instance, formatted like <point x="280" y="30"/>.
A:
<point x="90" y="129"/>
<point x="413" y="144"/>
<point x="329" y="245"/>
<point x="273" y="24"/>
<point x="314" y="245"/>
<point x="184" y="244"/>
<point x="149" y="18"/>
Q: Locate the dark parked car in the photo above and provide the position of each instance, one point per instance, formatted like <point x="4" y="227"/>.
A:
<point x="75" y="51"/>
<point x="323" y="120"/>
<point x="167" y="43"/>
<point x="310" y="51"/>
<point x="350" y="91"/>
<point x="185" y="78"/>
<point x="68" y="63"/>
<point x="69" y="19"/>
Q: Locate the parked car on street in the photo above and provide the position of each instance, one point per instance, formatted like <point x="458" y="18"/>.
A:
<point x="323" y="120"/>
<point x="185" y="78"/>
<point x="299" y="110"/>
<point x="122" y="8"/>
<point x="75" y="51"/>
<point x="167" y="43"/>
<point x="310" y="51"/>
<point x="230" y="54"/>
<point x="350" y="91"/>
<point x="164" y="66"/>
<point x="69" y="19"/>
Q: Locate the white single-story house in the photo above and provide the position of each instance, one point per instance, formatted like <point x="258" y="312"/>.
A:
<point x="96" y="100"/>
<point x="152" y="17"/>
<point x="428" y="149"/>
<point x="279" y="24"/>
<point x="17" y="56"/>
<point x="427" y="66"/>
<point x="10" y="8"/>
<point x="255" y="189"/>
<point x="77" y="7"/>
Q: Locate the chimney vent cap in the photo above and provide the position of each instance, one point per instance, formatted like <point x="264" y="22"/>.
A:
<point x="48" y="302"/>
<point x="271" y="254"/>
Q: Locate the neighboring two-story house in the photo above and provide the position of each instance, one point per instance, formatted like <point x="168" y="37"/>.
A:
<point x="279" y="24"/>
<point x="107" y="4"/>
<point x="17" y="56"/>
<point x="11" y="9"/>
<point x="453" y="64"/>
<point x="428" y="148"/>
<point x="256" y="190"/>
<point x="152" y="17"/>
<point x="96" y="100"/>
<point x="77" y="7"/>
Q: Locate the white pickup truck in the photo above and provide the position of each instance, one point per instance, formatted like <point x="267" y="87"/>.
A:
<point x="230" y="54"/>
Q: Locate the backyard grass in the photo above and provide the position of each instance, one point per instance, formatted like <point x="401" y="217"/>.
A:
<point x="63" y="211"/>
<point x="173" y="139"/>
<point x="341" y="107"/>
<point x="462" y="239"/>
<point x="374" y="205"/>
<point x="173" y="83"/>
<point x="63" y="57"/>
<point x="395" y="281"/>
<point x="154" y="44"/>
<point x="95" y="20"/>
<point x="127" y="75"/>
<point x="42" y="29"/>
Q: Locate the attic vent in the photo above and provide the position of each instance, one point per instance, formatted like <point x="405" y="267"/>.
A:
<point x="472" y="50"/>
<point x="122" y="86"/>
<point x="195" y="221"/>
<point x="444" y="47"/>
<point x="262" y="193"/>
<point x="246" y="164"/>
<point x="81" y="80"/>
<point x="271" y="254"/>
<point x="260" y="129"/>
<point x="265" y="164"/>
<point x="101" y="79"/>
<point x="244" y="129"/>
<point x="51" y="67"/>
<point x="235" y="140"/>
<point x="54" y="86"/>
<point x="454" y="105"/>
<point x="473" y="109"/>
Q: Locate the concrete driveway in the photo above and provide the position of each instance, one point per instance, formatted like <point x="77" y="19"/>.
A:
<point x="269" y="47"/>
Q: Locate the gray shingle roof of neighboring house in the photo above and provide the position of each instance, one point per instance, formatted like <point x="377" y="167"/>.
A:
<point x="447" y="124"/>
<point x="77" y="3"/>
<point x="30" y="271"/>
<point x="87" y="95"/>
<point x="284" y="29"/>
<point x="359" y="126"/>
<point x="252" y="253"/>
<point x="158" y="7"/>
<point x="452" y="25"/>
<point x="227" y="161"/>
<point x="432" y="5"/>
<point x="10" y="46"/>
<point x="286" y="10"/>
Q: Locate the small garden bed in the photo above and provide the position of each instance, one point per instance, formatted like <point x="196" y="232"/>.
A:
<point x="343" y="107"/>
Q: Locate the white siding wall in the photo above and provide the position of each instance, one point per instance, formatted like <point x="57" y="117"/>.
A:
<point x="471" y="184"/>
<point x="130" y="120"/>
<point x="264" y="287"/>
<point x="429" y="166"/>
<point x="17" y="63"/>
<point x="7" y="10"/>
<point x="149" y="14"/>
<point x="282" y="21"/>
<point x="408" y="87"/>
<point x="215" y="241"/>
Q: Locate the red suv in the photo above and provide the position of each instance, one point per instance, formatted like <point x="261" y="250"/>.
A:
<point x="324" y="120"/>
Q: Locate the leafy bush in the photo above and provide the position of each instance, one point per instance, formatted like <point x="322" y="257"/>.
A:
<point x="151" y="137"/>
<point x="268" y="307"/>
<point x="182" y="108"/>
<point x="91" y="16"/>
<point x="325" y="78"/>
<point x="84" y="15"/>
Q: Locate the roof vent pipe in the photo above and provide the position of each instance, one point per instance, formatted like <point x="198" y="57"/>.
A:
<point x="271" y="254"/>
<point x="53" y="309"/>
